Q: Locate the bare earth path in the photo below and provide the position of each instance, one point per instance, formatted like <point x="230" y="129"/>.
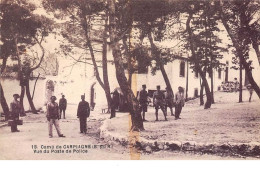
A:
<point x="34" y="132"/>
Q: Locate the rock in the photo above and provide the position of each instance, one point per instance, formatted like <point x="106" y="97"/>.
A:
<point x="161" y="146"/>
<point x="148" y="149"/>
<point x="188" y="147"/>
<point x="255" y="151"/>
<point x="174" y="147"/>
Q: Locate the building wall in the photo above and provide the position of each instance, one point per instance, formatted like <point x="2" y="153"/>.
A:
<point x="11" y="86"/>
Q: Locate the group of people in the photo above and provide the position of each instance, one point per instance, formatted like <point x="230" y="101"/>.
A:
<point x="162" y="101"/>
<point x="230" y="86"/>
<point x="53" y="113"/>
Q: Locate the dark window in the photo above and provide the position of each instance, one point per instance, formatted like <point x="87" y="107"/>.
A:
<point x="182" y="69"/>
<point x="196" y="93"/>
<point x="196" y="73"/>
<point x="219" y="73"/>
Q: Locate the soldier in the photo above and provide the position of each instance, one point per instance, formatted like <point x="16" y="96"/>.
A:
<point x="143" y="100"/>
<point x="158" y="102"/>
<point x="113" y="106"/>
<point x="83" y="113"/>
<point x="63" y="106"/>
<point x="15" y="111"/>
<point x="116" y="99"/>
<point x="179" y="97"/>
<point x="169" y="99"/>
<point x="250" y="90"/>
<point x="53" y="116"/>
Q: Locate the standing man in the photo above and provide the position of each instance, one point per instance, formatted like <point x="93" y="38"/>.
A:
<point x="236" y="84"/>
<point x="250" y="90"/>
<point x="179" y="97"/>
<point x="113" y="106"/>
<point x="158" y="102"/>
<point x="143" y="100"/>
<point x="169" y="99"/>
<point x="83" y="113"/>
<point x="15" y="109"/>
<point x="116" y="99"/>
<point x="62" y="106"/>
<point x="53" y="117"/>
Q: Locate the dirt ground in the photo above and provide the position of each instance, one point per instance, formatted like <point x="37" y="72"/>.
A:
<point x="227" y="121"/>
<point x="18" y="146"/>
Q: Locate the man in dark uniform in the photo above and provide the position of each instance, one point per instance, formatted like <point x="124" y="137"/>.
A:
<point x="159" y="102"/>
<point x="116" y="99"/>
<point x="63" y="106"/>
<point x="15" y="111"/>
<point x="143" y="96"/>
<point x="113" y="105"/>
<point x="83" y="113"/>
<point x="169" y="99"/>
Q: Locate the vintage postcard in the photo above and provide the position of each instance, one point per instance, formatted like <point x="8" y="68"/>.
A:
<point x="130" y="79"/>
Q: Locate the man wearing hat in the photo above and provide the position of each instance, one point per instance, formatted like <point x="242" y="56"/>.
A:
<point x="15" y="109"/>
<point x="53" y="117"/>
<point x="83" y="113"/>
<point x="143" y="96"/>
<point x="63" y="106"/>
<point x="158" y="102"/>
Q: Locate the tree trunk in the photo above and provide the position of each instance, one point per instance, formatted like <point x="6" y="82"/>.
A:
<point x="161" y="64"/>
<point x="240" y="83"/>
<point x="212" y="87"/>
<point x="104" y="85"/>
<point x="35" y="85"/>
<point x="201" y="93"/>
<point x="21" y="101"/>
<point x="104" y="65"/>
<point x="129" y="64"/>
<point x="207" y="89"/>
<point x="28" y="94"/>
<point x="248" y="71"/>
<point x="136" y="118"/>
<point x="256" y="47"/>
<point x="212" y="82"/>
<point x="2" y="96"/>
<point x="237" y="44"/>
<point x="4" y="103"/>
<point x="196" y="62"/>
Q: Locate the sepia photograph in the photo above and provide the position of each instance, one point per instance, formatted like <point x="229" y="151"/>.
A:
<point x="130" y="80"/>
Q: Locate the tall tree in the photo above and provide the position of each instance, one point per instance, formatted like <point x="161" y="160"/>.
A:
<point x="196" y="57"/>
<point x="18" y="27"/>
<point x="24" y="30"/>
<point x="150" y="19"/>
<point x="6" y="50"/>
<point x="238" y="19"/>
<point x="83" y="18"/>
<point x="137" y="123"/>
